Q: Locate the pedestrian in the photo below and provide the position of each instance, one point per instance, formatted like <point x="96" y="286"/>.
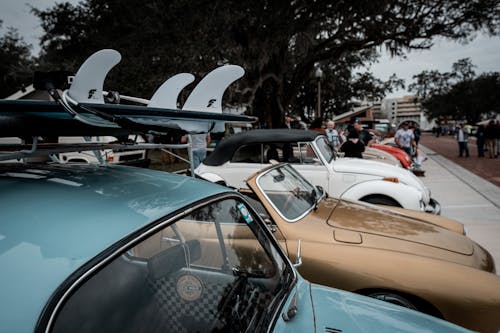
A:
<point x="364" y="134"/>
<point x="288" y="121"/>
<point x="342" y="135"/>
<point x="463" y="140"/>
<point x="480" y="141"/>
<point x="405" y="139"/>
<point x="490" y="138"/>
<point x="497" y="126"/>
<point x="317" y="125"/>
<point x="199" y="143"/>
<point x="353" y="146"/>
<point x="416" y="133"/>
<point x="333" y="135"/>
<point x="299" y="124"/>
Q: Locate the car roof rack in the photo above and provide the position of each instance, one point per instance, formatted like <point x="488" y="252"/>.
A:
<point x="81" y="110"/>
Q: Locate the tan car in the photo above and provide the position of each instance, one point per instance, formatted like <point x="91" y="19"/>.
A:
<point x="404" y="257"/>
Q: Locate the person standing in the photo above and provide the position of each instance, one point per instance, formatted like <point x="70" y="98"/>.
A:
<point x="299" y="124"/>
<point x="416" y="133"/>
<point x="463" y="140"/>
<point x="364" y="135"/>
<point x="288" y="121"/>
<point x="405" y="139"/>
<point x="333" y="135"/>
<point x="199" y="143"/>
<point x="490" y="138"/>
<point x="497" y="135"/>
<point x="317" y="125"/>
<point x="480" y="141"/>
<point x="353" y="146"/>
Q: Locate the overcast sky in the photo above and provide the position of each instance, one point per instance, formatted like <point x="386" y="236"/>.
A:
<point x="484" y="51"/>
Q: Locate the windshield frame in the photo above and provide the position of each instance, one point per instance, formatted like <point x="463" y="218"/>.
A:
<point x="288" y="276"/>
<point x="318" y="195"/>
<point x="325" y="150"/>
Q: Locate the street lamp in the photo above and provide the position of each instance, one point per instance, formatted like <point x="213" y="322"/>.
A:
<point x="319" y="75"/>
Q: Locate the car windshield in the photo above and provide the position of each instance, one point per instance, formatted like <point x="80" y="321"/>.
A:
<point x="290" y="194"/>
<point x="213" y="270"/>
<point x="325" y="148"/>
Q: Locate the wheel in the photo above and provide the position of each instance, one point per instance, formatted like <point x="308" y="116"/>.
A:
<point x="381" y="200"/>
<point x="394" y="299"/>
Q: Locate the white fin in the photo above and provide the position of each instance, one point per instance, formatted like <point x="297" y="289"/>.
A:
<point x="166" y="96"/>
<point x="88" y="82"/>
<point x="207" y="95"/>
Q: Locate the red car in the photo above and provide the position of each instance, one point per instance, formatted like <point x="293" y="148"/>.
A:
<point x="399" y="153"/>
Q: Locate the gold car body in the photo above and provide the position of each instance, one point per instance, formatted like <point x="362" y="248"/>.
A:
<point x="369" y="249"/>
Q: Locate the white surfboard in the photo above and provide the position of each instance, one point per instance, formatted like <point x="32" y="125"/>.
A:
<point x="167" y="94"/>
<point x="87" y="85"/>
<point x="207" y="95"/>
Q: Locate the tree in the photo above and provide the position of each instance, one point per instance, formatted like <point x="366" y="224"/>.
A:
<point x="458" y="94"/>
<point x="431" y="83"/>
<point x="16" y="63"/>
<point x="279" y="43"/>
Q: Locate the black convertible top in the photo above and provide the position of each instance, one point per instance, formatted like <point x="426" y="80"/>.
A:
<point x="226" y="148"/>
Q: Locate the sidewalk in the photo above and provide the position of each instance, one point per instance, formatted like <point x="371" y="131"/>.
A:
<point x="465" y="196"/>
<point x="447" y="146"/>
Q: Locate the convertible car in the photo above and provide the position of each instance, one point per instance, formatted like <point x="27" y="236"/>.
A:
<point x="238" y="156"/>
<point x="413" y="259"/>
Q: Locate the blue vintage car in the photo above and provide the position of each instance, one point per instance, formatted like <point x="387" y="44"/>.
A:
<point x="93" y="248"/>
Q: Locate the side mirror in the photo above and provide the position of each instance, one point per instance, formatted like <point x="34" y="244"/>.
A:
<point x="298" y="261"/>
<point x="321" y="190"/>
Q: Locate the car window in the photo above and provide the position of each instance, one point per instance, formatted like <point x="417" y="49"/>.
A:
<point x="289" y="193"/>
<point x="211" y="270"/>
<point x="306" y="153"/>
<point x="325" y="149"/>
<point x="248" y="154"/>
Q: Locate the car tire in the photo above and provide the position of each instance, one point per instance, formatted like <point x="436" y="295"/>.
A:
<point x="407" y="301"/>
<point x="394" y="299"/>
<point x="381" y="200"/>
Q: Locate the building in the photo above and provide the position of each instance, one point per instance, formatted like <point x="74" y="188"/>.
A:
<point x="406" y="108"/>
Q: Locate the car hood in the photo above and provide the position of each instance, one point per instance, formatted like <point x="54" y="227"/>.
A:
<point x="380" y="170"/>
<point x="355" y="313"/>
<point x="367" y="221"/>
<point x="369" y="167"/>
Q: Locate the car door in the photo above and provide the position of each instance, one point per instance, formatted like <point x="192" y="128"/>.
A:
<point x="212" y="269"/>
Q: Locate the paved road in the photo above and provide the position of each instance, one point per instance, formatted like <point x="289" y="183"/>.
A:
<point x="464" y="195"/>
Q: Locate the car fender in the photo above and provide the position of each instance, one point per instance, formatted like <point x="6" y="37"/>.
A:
<point x="407" y="196"/>
<point x="340" y="312"/>
<point x="462" y="294"/>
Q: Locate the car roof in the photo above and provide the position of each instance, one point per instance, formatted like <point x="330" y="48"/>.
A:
<point x="226" y="148"/>
<point x="54" y="218"/>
